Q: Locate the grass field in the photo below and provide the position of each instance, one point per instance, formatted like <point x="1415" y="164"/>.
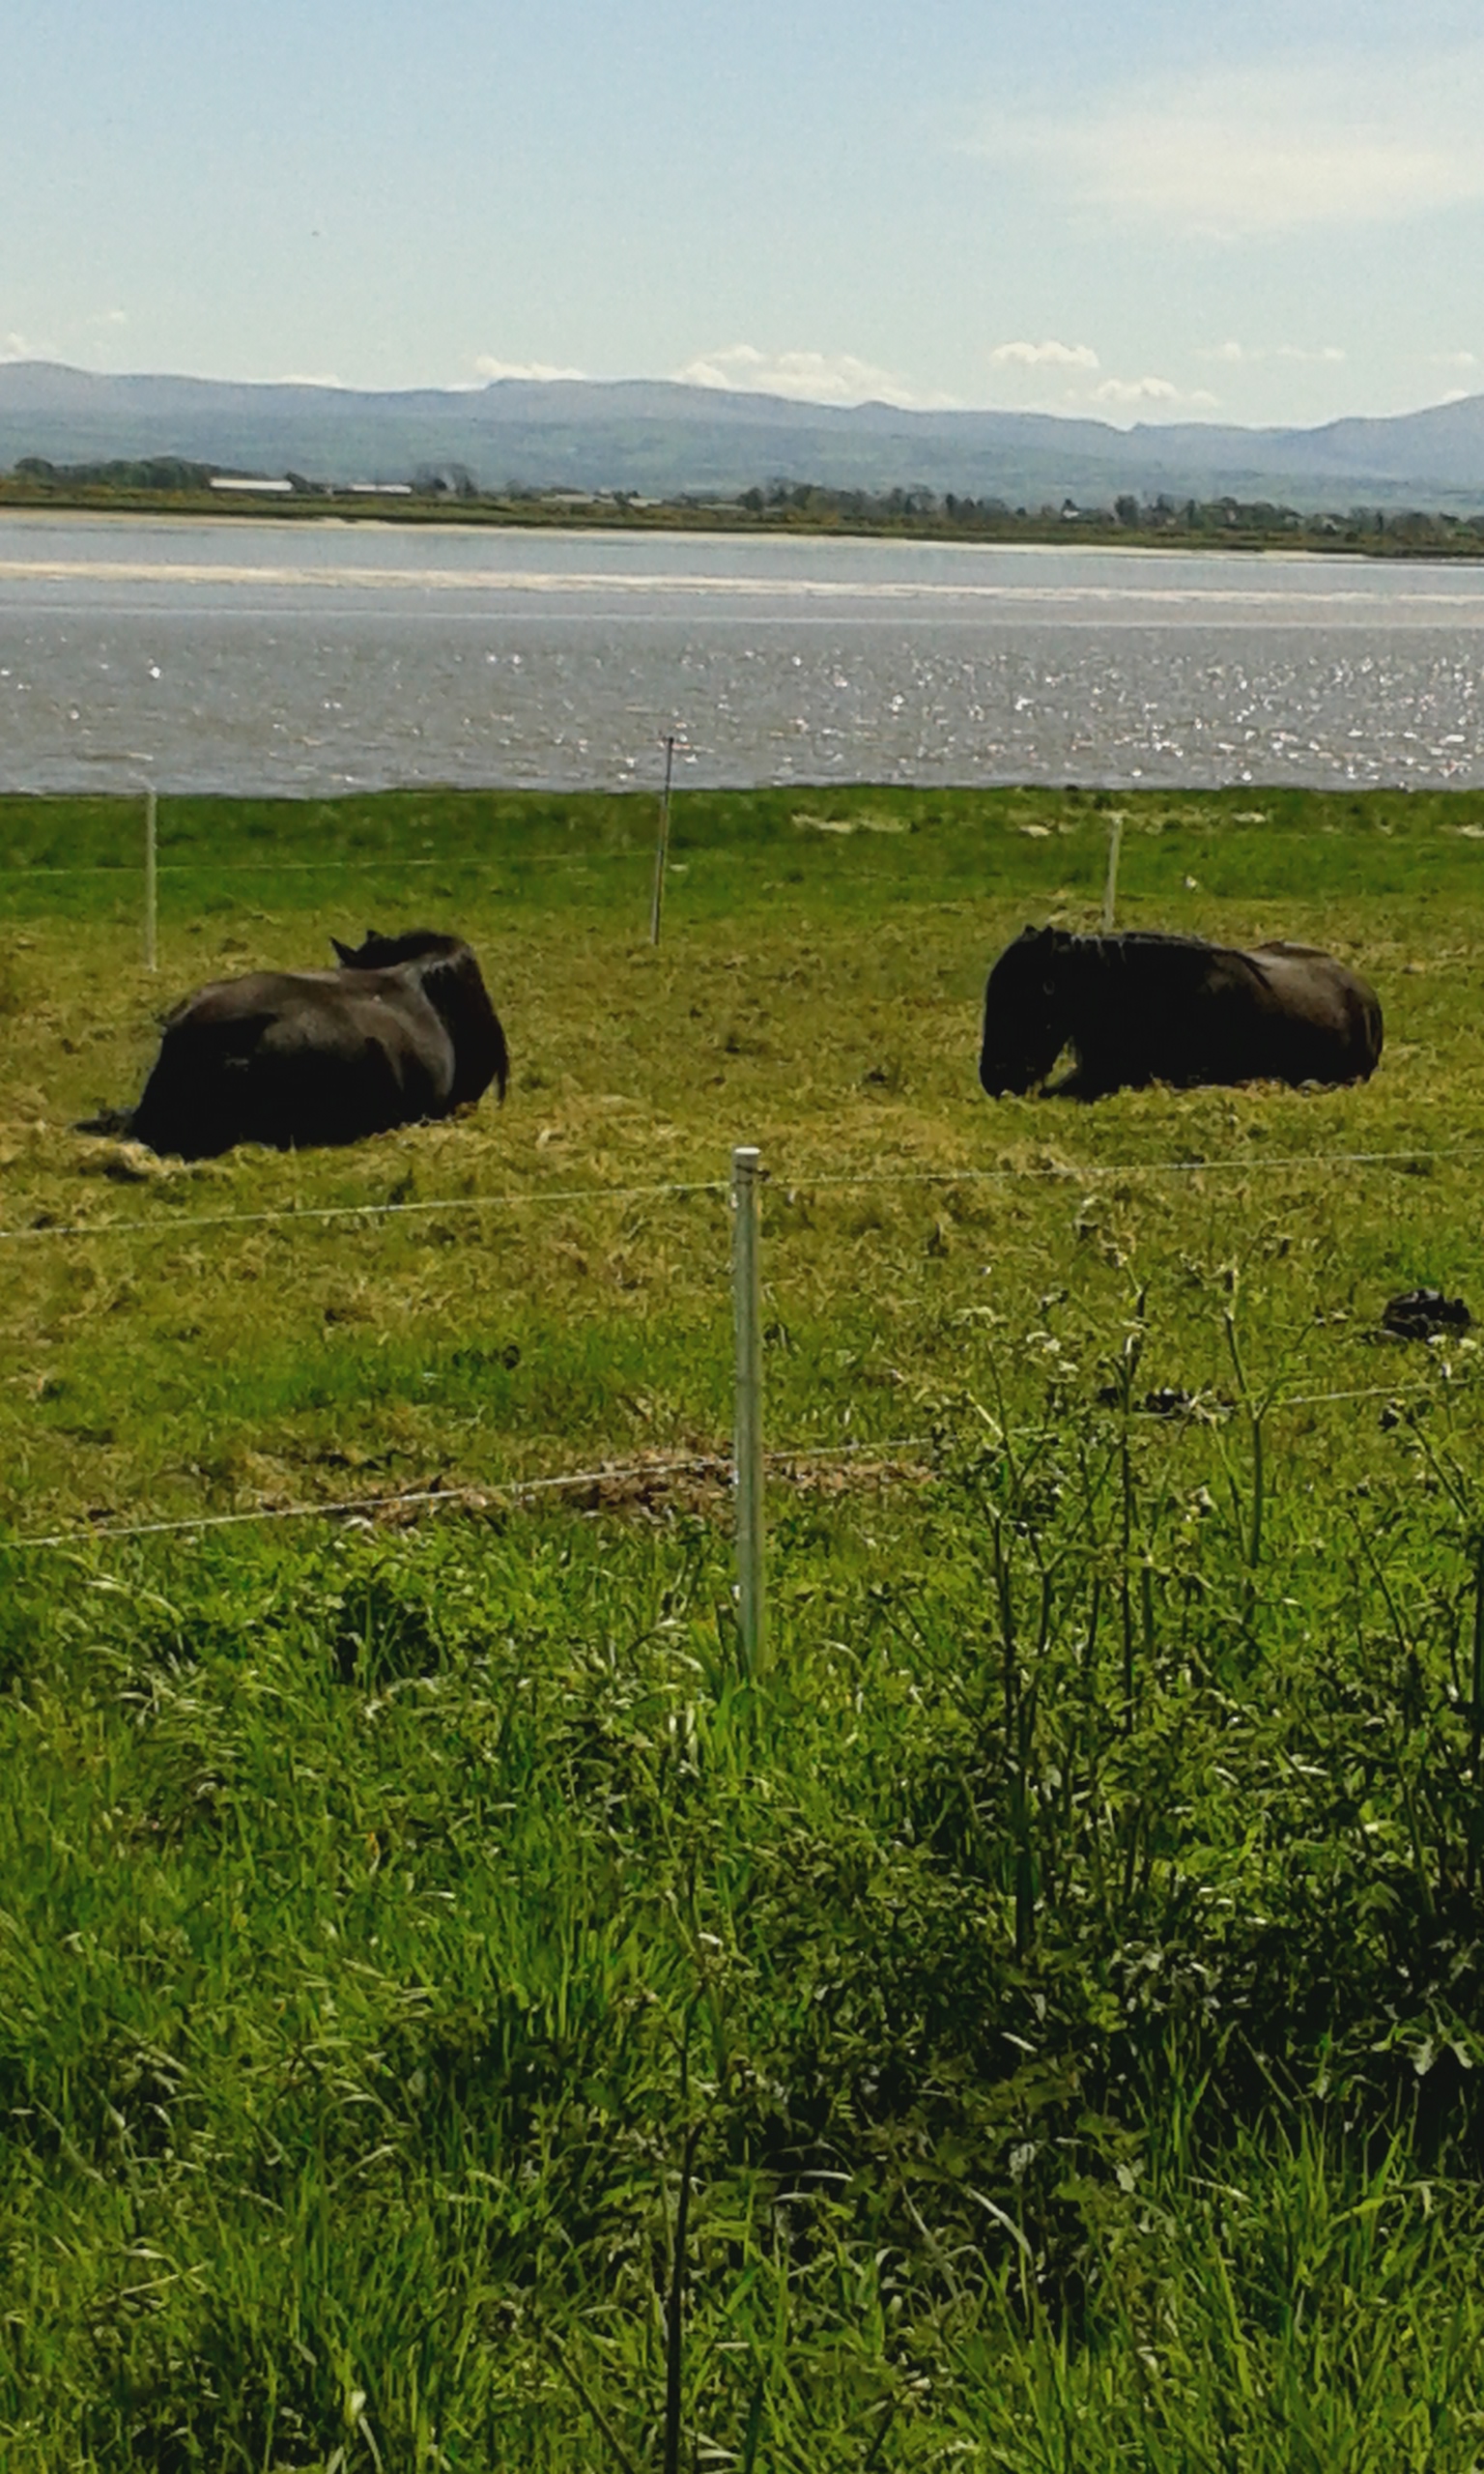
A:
<point x="448" y="2014"/>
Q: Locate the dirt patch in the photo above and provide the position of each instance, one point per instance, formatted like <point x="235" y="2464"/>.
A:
<point x="653" y="1485"/>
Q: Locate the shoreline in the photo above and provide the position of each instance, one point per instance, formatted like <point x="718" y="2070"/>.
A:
<point x="1305" y="539"/>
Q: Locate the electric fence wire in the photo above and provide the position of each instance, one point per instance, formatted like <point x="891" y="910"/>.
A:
<point x="792" y="1184"/>
<point x="489" y="1496"/>
<point x="495" y="1493"/>
<point x="368" y="866"/>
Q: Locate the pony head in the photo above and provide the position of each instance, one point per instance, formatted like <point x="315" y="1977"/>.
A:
<point x="1025" y="1013"/>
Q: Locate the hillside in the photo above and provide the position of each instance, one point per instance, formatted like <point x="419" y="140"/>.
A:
<point x="666" y="439"/>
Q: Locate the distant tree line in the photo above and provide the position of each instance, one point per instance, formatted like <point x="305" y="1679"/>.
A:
<point x="175" y="475"/>
<point x="163" y="472"/>
<point x="784" y="505"/>
<point x="810" y="504"/>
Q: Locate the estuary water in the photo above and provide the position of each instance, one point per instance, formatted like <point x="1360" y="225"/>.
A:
<point x="282" y="657"/>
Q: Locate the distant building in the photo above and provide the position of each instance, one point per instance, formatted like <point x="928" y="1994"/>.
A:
<point x="382" y="489"/>
<point x="246" y="485"/>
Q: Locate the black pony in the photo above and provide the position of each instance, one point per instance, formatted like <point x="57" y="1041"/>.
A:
<point x="1143" y="1008"/>
<point x="403" y="1030"/>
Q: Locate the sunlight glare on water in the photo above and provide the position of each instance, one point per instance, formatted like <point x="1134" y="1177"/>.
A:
<point x="311" y="658"/>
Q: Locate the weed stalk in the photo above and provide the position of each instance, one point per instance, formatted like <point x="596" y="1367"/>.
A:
<point x="1476" y="1712"/>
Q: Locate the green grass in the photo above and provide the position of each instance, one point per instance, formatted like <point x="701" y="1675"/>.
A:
<point x="1051" y="1994"/>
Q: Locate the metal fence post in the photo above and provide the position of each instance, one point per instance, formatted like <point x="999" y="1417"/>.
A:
<point x="747" y="1319"/>
<point x="150" y="940"/>
<point x="1110" y="886"/>
<point x="662" y="846"/>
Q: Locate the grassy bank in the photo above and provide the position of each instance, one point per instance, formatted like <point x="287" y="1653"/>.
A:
<point x="1037" y="2023"/>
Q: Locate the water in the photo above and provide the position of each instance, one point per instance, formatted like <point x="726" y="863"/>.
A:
<point x="292" y="659"/>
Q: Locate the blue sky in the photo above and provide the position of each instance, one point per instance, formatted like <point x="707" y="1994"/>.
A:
<point x="1260" y="213"/>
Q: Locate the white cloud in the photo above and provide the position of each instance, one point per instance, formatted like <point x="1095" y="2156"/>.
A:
<point x="1295" y="144"/>
<point x="1233" y="355"/>
<point x="1076" y="365"/>
<point x="309" y="378"/>
<point x="1050" y="354"/>
<point x="1151" y="391"/>
<point x="1455" y="361"/>
<point x="807" y="376"/>
<point x="1136" y="391"/>
<point x="1112" y="395"/>
<point x="18" y="347"/>
<point x="489" y="368"/>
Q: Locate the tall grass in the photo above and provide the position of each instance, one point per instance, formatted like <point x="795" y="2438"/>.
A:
<point x="397" y="1925"/>
<point x="449" y="2017"/>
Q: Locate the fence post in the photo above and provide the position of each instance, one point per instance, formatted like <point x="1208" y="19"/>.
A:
<point x="1110" y="884"/>
<point x="151" y="942"/>
<point x="747" y="1446"/>
<point x="662" y="847"/>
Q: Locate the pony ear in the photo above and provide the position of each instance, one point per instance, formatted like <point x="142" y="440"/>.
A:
<point x="347" y="953"/>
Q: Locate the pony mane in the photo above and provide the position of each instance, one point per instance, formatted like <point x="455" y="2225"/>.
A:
<point x="1128" y="944"/>
<point x="448" y="974"/>
<point x="377" y="952"/>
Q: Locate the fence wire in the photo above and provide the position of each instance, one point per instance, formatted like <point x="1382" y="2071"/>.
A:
<point x="515" y="1490"/>
<point x="490" y="1495"/>
<point x="1074" y="1171"/>
<point x="790" y="1182"/>
<point x="493" y="1493"/>
<point x="131" y="870"/>
<point x="358" y="1211"/>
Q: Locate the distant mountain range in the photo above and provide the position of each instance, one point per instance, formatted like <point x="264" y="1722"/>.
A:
<point x="664" y="439"/>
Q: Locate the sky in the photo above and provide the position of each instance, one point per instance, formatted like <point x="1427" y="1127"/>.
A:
<point x="1268" y="212"/>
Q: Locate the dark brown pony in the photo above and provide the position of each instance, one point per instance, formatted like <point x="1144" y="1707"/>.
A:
<point x="1143" y="1008"/>
<point x="403" y="1030"/>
